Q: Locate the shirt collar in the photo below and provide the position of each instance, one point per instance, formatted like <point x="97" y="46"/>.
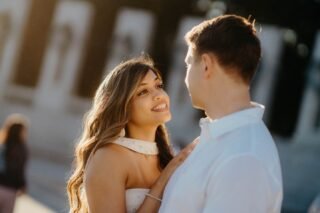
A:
<point x="232" y="121"/>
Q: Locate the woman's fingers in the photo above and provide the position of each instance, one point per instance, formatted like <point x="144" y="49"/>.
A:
<point x="188" y="149"/>
<point x="177" y="161"/>
<point x="185" y="152"/>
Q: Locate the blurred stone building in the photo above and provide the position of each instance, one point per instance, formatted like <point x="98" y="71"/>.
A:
<point x="54" y="53"/>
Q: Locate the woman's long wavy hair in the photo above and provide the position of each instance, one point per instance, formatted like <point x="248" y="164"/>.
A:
<point x="105" y="120"/>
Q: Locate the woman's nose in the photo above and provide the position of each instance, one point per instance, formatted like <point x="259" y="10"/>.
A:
<point x="158" y="95"/>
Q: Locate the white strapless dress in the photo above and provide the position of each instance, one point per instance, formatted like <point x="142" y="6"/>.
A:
<point x="134" y="198"/>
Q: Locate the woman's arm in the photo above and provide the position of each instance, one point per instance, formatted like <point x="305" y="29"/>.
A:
<point x="105" y="179"/>
<point x="151" y="203"/>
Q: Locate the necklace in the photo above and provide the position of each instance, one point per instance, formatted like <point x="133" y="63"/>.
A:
<point x="140" y="146"/>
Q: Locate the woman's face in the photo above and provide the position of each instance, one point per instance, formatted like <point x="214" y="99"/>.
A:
<point x="150" y="103"/>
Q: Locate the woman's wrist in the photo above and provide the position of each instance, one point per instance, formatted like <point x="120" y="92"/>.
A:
<point x="153" y="197"/>
<point x="158" y="188"/>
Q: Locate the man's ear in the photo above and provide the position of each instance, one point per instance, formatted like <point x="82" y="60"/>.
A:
<point x="207" y="65"/>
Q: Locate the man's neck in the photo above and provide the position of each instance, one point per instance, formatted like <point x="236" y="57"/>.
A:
<point x="227" y="103"/>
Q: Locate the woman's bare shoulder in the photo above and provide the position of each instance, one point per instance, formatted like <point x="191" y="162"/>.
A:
<point x="105" y="179"/>
<point x="110" y="159"/>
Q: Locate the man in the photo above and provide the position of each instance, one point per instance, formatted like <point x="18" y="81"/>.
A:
<point x="235" y="167"/>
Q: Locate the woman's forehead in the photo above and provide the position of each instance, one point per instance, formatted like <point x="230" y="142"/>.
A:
<point x="150" y="77"/>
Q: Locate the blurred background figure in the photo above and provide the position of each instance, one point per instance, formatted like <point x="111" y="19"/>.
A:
<point x="13" y="159"/>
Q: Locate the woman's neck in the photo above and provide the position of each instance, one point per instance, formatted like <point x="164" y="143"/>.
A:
<point x="145" y="133"/>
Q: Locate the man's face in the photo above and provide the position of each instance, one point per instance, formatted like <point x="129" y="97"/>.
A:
<point x="193" y="78"/>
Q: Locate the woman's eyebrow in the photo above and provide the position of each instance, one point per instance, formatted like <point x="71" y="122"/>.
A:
<point x="143" y="83"/>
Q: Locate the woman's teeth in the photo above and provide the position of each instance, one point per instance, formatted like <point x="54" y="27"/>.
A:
<point x="160" y="107"/>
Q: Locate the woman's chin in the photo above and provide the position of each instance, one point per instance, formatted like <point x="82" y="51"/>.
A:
<point x="167" y="117"/>
<point x="164" y="119"/>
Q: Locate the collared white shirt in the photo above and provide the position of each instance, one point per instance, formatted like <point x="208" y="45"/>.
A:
<point x="235" y="168"/>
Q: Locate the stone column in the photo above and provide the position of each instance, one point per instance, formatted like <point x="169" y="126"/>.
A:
<point x="266" y="76"/>
<point x="311" y="100"/>
<point x="185" y="119"/>
<point x="131" y="36"/>
<point x="64" y="53"/>
<point x="13" y="15"/>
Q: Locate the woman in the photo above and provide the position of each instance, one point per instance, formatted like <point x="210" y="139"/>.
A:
<point x="13" y="158"/>
<point x="122" y="160"/>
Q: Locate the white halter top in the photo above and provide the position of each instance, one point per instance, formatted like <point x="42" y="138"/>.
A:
<point x="140" y="146"/>
<point x="135" y="196"/>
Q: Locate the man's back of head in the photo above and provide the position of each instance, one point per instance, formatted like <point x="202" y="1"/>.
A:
<point x="233" y="41"/>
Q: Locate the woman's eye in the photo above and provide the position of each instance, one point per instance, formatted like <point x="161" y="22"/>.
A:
<point x="145" y="91"/>
<point x="160" y="86"/>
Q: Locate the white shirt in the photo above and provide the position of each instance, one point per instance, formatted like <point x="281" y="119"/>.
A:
<point x="235" y="168"/>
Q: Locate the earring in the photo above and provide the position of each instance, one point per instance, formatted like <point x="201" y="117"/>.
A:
<point x="122" y="132"/>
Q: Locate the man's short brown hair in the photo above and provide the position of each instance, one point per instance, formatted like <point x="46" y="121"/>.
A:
<point x="232" y="39"/>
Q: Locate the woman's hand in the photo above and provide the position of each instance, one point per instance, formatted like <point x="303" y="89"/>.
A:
<point x="175" y="163"/>
<point x="152" y="202"/>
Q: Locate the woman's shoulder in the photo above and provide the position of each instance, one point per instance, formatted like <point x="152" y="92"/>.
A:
<point x="109" y="158"/>
<point x="112" y="151"/>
